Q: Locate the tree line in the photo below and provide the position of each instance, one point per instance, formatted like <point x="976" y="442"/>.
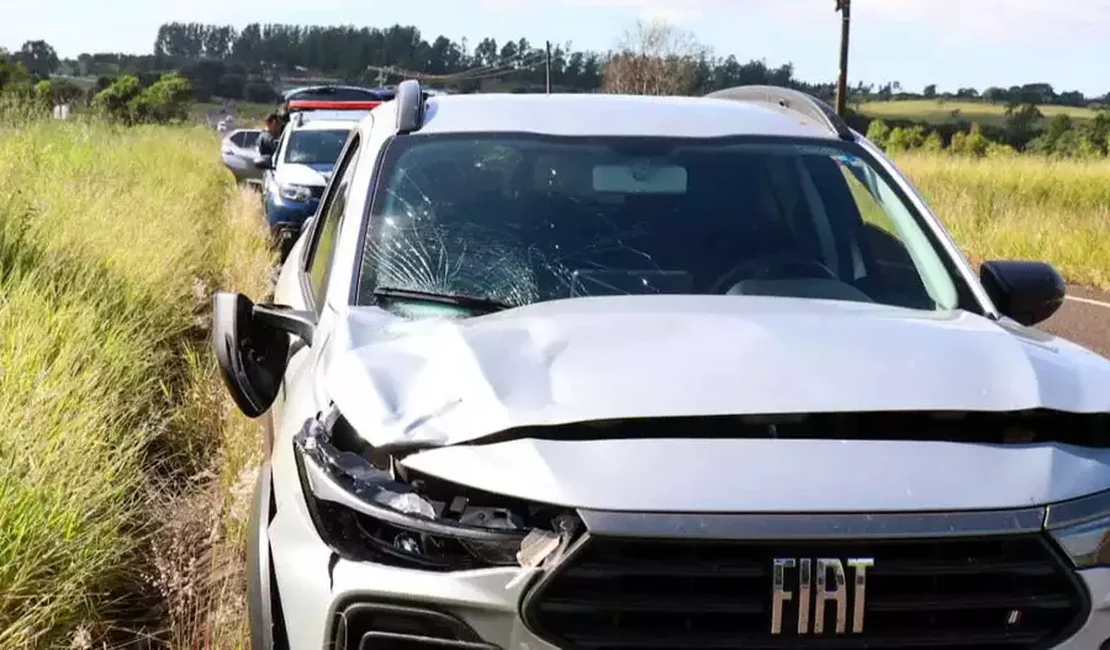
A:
<point x="1025" y="130"/>
<point x="250" y="63"/>
<point x="254" y="63"/>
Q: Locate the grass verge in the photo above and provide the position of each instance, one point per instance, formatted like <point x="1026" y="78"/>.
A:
<point x="111" y="241"/>
<point x="1023" y="207"/>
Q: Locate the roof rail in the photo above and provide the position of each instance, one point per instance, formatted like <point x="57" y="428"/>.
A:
<point x="792" y="101"/>
<point x="410" y="100"/>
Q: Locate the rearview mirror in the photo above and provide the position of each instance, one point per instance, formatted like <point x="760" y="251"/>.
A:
<point x="1028" y="292"/>
<point x="252" y="347"/>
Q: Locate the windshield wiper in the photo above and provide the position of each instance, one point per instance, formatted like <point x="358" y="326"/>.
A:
<point x="477" y="303"/>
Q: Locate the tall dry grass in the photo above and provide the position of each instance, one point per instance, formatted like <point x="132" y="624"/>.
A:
<point x="115" y="428"/>
<point x="1023" y="207"/>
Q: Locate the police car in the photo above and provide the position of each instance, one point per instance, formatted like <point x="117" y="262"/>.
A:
<point x="295" y="178"/>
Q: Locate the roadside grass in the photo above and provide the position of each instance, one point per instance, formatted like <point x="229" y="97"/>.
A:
<point x="116" y="430"/>
<point x="1023" y="207"/>
<point x="935" y="111"/>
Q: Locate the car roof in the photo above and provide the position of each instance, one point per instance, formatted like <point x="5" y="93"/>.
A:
<point x="612" y="115"/>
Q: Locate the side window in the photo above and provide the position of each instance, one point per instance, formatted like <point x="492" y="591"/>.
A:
<point x="330" y="218"/>
<point x="239" y="139"/>
<point x="250" y="138"/>
<point x="893" y="259"/>
<point x="882" y="235"/>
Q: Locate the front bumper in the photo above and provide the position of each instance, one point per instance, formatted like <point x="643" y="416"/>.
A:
<point x="315" y="587"/>
<point x="280" y="212"/>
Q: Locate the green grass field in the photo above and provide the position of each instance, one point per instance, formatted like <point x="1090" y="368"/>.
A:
<point x="119" y="448"/>
<point x="940" y="112"/>
<point x="124" y="468"/>
<point x="1023" y="207"/>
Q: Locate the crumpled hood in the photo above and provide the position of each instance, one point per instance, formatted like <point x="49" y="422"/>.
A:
<point x="766" y="475"/>
<point x="297" y="174"/>
<point x="442" y="382"/>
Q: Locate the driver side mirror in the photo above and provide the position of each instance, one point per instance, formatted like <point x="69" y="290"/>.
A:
<point x="252" y="347"/>
<point x="264" y="163"/>
<point x="1028" y="292"/>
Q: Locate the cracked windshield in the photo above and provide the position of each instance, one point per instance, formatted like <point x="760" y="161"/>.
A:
<point x="516" y="220"/>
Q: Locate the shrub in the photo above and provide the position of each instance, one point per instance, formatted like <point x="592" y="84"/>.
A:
<point x="878" y="132"/>
<point x="126" y="101"/>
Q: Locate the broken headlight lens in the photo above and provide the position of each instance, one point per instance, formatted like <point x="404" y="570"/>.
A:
<point x="366" y="514"/>
<point x="1087" y="544"/>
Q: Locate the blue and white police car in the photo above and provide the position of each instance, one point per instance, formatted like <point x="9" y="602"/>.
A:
<point x="297" y="174"/>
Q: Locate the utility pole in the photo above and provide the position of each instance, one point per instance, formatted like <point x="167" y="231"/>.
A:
<point x="845" y="9"/>
<point x="547" y="61"/>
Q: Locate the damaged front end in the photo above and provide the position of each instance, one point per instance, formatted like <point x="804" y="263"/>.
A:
<point x="369" y="508"/>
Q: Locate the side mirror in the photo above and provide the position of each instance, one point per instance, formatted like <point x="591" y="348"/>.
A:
<point x="264" y="163"/>
<point x="1028" y="292"/>
<point x="252" y="347"/>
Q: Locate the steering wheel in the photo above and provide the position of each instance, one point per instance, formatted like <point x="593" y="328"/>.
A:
<point x="781" y="266"/>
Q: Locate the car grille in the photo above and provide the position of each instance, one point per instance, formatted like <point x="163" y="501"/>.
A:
<point x="317" y="191"/>
<point x="982" y="593"/>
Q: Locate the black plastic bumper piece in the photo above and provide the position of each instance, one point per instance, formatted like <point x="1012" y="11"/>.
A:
<point x="380" y="626"/>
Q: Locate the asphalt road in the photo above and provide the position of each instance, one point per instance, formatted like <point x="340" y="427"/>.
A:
<point x="1084" y="319"/>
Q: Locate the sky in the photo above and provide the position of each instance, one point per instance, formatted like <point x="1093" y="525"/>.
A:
<point x="951" y="43"/>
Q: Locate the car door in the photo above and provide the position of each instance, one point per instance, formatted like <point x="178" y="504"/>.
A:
<point x="249" y="149"/>
<point x="303" y="281"/>
<point x="238" y="155"/>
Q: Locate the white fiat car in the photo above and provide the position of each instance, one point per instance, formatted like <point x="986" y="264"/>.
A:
<point x="606" y="372"/>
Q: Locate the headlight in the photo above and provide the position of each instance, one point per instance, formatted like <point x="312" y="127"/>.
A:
<point x="367" y="511"/>
<point x="291" y="192"/>
<point x="1087" y="543"/>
